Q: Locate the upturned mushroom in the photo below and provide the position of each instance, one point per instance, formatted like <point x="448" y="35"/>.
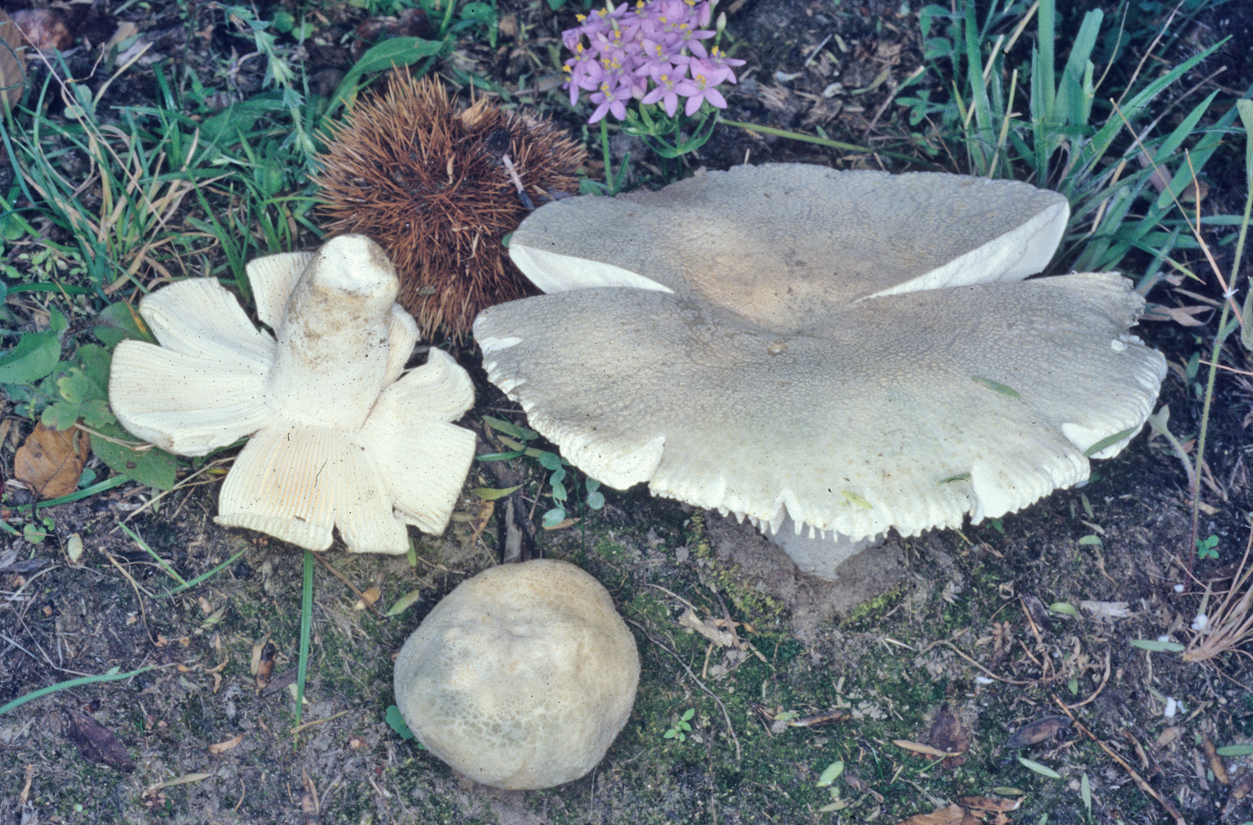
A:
<point x="341" y="435"/>
<point x="520" y="678"/>
<point x="825" y="353"/>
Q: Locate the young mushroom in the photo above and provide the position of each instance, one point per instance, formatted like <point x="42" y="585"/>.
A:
<point x="340" y="435"/>
<point x="520" y="678"/>
<point x="838" y="352"/>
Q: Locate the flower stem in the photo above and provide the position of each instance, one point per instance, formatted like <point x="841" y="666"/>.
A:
<point x="610" y="185"/>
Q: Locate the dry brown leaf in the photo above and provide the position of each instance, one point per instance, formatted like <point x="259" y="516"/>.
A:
<point x="1183" y="316"/>
<point x="44" y="29"/>
<point x="12" y="63"/>
<point x="925" y="750"/>
<point x="947" y="736"/>
<point x="1243" y="786"/>
<point x="50" y="462"/>
<point x="96" y="743"/>
<point x="264" y="660"/>
<point x="222" y="747"/>
<point x="1038" y="731"/>
<point x="990" y="803"/>
<point x="310" y="807"/>
<point x="721" y="638"/>
<point x="952" y="815"/>
<point x="368" y="598"/>
<point x="1215" y="761"/>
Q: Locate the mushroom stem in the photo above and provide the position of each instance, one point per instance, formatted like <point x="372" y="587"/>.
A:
<point x="342" y="304"/>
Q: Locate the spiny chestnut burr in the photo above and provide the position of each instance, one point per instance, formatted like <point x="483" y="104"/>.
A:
<point x="437" y="186"/>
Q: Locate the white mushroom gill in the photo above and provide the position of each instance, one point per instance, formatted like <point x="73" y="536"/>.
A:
<point x="831" y="353"/>
<point x="340" y="437"/>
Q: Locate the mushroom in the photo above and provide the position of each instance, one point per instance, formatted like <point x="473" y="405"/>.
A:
<point x="520" y="678"/>
<point x="820" y="351"/>
<point x="341" y="436"/>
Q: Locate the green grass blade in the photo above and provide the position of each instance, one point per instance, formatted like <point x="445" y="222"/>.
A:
<point x="110" y="675"/>
<point x="190" y="583"/>
<point x="1046" y="34"/>
<point x="306" y="630"/>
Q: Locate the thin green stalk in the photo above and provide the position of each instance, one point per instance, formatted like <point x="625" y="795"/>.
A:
<point x="1224" y="330"/>
<point x="77" y="495"/>
<point x="604" y="145"/>
<point x="203" y="576"/>
<point x="821" y="141"/>
<point x="306" y="628"/>
<point x="143" y="545"/>
<point x="110" y="675"/>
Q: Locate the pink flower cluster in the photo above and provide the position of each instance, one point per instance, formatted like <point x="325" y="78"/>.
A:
<point x="652" y="53"/>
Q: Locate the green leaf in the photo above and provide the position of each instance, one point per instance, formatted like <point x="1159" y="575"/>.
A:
<point x="120" y="321"/>
<point x="152" y="466"/>
<point x="1091" y="541"/>
<point x="857" y="500"/>
<point x="1042" y="770"/>
<point x="995" y="386"/>
<point x="596" y="500"/>
<point x="549" y="461"/>
<point x="1085" y="792"/>
<point x="59" y="416"/>
<point x="35" y="357"/>
<point x="509" y="456"/>
<point x="831" y="773"/>
<point x="1108" y="441"/>
<point x="397" y="723"/>
<point x="494" y="493"/>
<point x="57" y="322"/>
<point x="479" y="12"/>
<point x="75" y="387"/>
<point x="1155" y="646"/>
<point x="405" y="602"/>
<point x="1063" y="608"/>
<point x="502" y="426"/>
<point x="554" y="517"/>
<point x="394" y="53"/>
<point x="1236" y="750"/>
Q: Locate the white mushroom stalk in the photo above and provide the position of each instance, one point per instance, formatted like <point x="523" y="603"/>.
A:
<point x="838" y="352"/>
<point x="341" y="435"/>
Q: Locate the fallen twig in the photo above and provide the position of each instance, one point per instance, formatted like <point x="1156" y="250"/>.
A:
<point x="1139" y="780"/>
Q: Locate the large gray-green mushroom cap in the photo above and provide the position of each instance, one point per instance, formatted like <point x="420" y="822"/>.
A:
<point x="341" y="434"/>
<point x="521" y="677"/>
<point x="841" y="352"/>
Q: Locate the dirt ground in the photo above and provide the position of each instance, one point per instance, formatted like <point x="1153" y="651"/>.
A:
<point x="914" y="670"/>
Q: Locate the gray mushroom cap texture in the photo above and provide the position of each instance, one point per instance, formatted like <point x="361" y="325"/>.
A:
<point x="341" y="435"/>
<point x="520" y="678"/>
<point x="844" y="351"/>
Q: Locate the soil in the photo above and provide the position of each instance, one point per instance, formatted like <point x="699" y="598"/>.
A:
<point x="913" y="670"/>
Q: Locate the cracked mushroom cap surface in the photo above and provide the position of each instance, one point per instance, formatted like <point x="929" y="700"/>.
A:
<point x="846" y="351"/>
<point x="341" y="435"/>
<point x="520" y="678"/>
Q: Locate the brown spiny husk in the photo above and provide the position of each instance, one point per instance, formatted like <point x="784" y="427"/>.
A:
<point x="426" y="180"/>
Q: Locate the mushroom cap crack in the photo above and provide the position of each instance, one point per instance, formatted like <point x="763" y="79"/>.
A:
<point x="341" y="435"/>
<point x="851" y="351"/>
